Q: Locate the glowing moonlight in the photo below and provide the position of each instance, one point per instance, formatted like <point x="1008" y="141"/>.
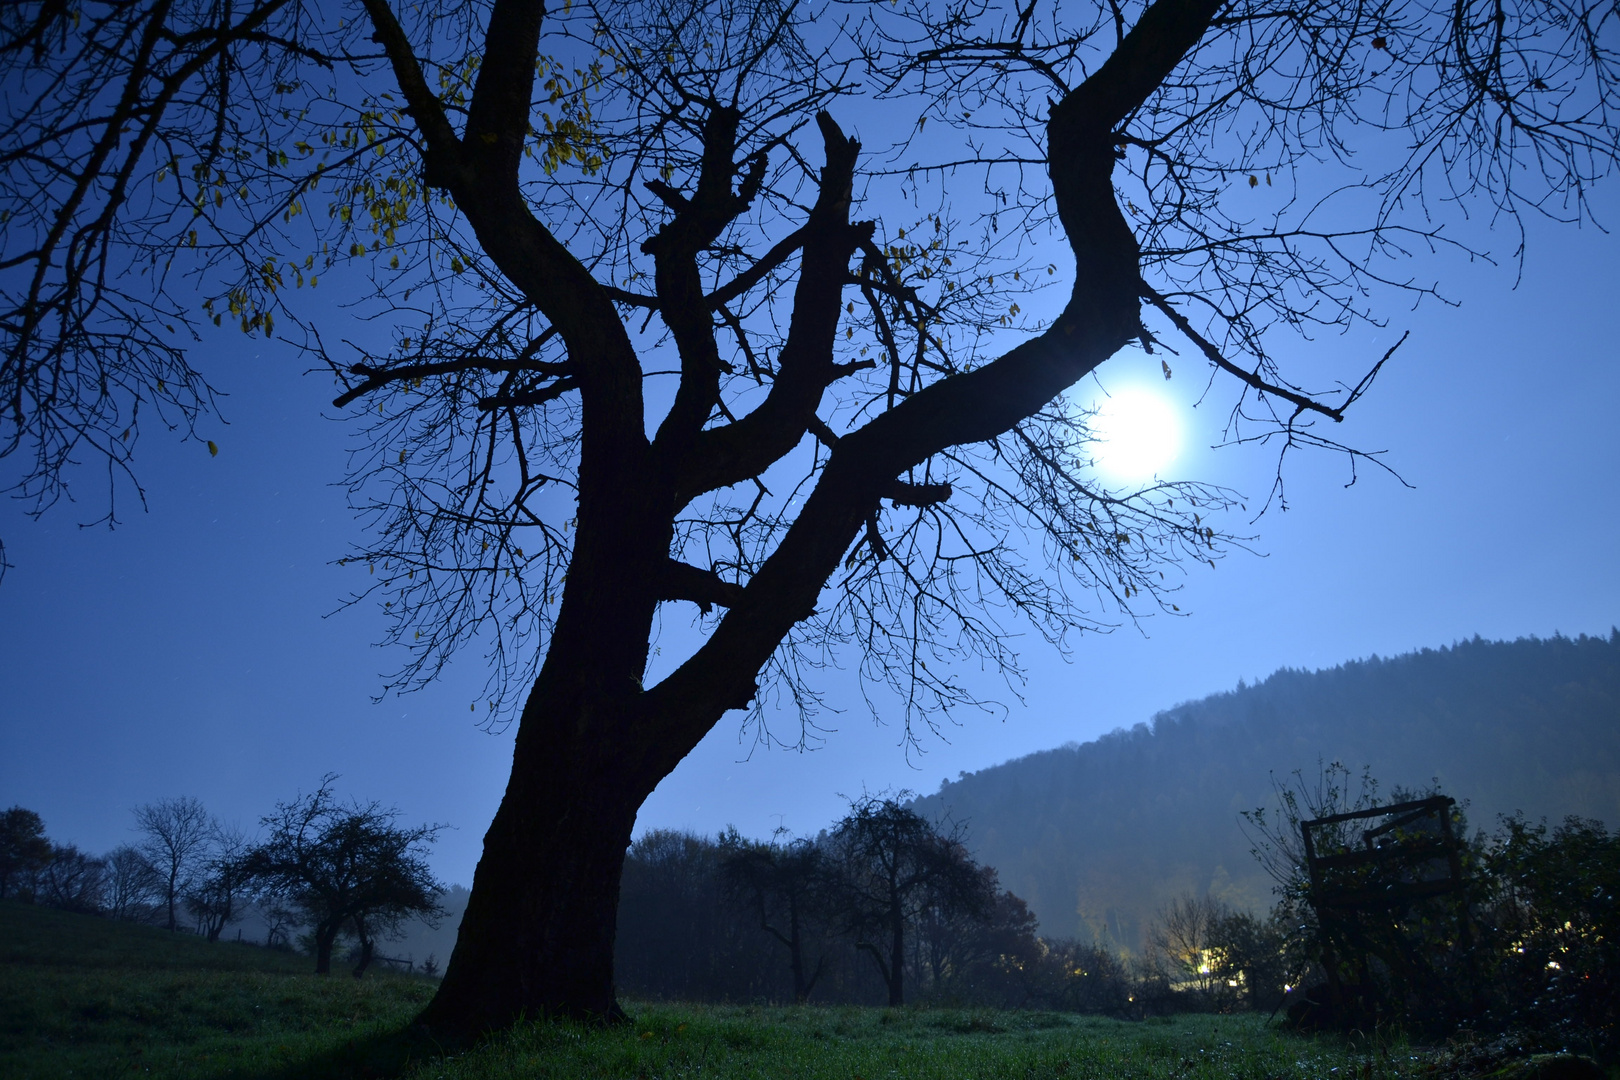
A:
<point x="1137" y="434"/>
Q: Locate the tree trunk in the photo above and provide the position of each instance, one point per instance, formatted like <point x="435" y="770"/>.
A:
<point x="897" y="955"/>
<point x="801" y="992"/>
<point x="537" y="937"/>
<point x="173" y="924"/>
<point x="365" y="957"/>
<point x="325" y="938"/>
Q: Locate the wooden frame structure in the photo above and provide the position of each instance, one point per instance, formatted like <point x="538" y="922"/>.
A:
<point x="1361" y="892"/>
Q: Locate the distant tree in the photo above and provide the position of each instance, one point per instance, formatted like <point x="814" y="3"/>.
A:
<point x="134" y="889"/>
<point x="985" y="951"/>
<point x="71" y="880"/>
<point x="685" y="932"/>
<point x="218" y="889"/>
<point x="175" y="838"/>
<point x="345" y="868"/>
<point x="1179" y="940"/>
<point x="387" y="923"/>
<point x="1084" y="977"/>
<point x="785" y="887"/>
<point x="280" y="919"/>
<point x="1250" y="958"/>
<point x="24" y="849"/>
<point x="892" y="864"/>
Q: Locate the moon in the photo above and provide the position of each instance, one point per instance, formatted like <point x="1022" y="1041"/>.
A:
<point x="1136" y="434"/>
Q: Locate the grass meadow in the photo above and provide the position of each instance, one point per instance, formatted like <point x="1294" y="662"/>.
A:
<point x="86" y="997"/>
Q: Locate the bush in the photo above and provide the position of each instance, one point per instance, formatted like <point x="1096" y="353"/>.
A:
<point x="1553" y="926"/>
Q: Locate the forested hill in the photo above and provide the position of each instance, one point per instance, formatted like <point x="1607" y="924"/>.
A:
<point x="1097" y="836"/>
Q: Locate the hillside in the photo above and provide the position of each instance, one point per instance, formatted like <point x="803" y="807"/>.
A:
<point x="87" y="996"/>
<point x="1097" y="836"/>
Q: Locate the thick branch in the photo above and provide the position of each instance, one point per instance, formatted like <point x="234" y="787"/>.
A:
<point x="734" y="453"/>
<point x="498" y="118"/>
<point x="378" y="377"/>
<point x="422" y="104"/>
<point x="755" y="274"/>
<point x="698" y="221"/>
<point x="526" y="398"/>
<point x="902" y="493"/>
<point x="705" y="588"/>
<point x="1101" y="317"/>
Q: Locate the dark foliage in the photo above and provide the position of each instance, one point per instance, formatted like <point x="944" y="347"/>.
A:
<point x="71" y="880"/>
<point x="683" y="932"/>
<point x="346" y="869"/>
<point x="894" y="870"/>
<point x="716" y="920"/>
<point x="788" y="887"/>
<point x="1516" y="932"/>
<point x="24" y="849"/>
<point x="1553" y="923"/>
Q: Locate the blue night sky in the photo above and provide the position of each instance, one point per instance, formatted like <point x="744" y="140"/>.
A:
<point x="197" y="649"/>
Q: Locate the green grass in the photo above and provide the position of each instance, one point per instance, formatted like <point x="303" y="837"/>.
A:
<point x="84" y="997"/>
<point x="809" y="1043"/>
<point x="88" y="997"/>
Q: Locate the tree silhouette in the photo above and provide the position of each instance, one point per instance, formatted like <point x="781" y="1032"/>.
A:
<point x="24" y="849"/>
<point x="638" y="346"/>
<point x="345" y="868"/>
<point x="176" y="836"/>
<point x="893" y="866"/>
<point x="786" y="886"/>
<point x="217" y="893"/>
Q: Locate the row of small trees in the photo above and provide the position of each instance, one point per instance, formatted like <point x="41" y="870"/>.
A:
<point x="182" y="871"/>
<point x="336" y="869"/>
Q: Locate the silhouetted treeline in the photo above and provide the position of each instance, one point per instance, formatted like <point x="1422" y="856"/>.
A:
<point x="324" y="874"/>
<point x="1098" y="837"/>
<point x="885" y="907"/>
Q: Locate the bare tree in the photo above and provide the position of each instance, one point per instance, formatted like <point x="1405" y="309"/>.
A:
<point x="1180" y="941"/>
<point x="72" y="880"/>
<point x="134" y="890"/>
<point x="638" y="345"/>
<point x="176" y="835"/>
<point x="279" y="917"/>
<point x="216" y="893"/>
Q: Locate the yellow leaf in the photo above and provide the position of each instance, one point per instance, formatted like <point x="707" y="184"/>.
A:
<point x="1254" y="181"/>
<point x="213" y="449"/>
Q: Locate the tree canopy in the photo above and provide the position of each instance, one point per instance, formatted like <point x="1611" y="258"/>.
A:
<point x="649" y="324"/>
<point x="346" y="869"/>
